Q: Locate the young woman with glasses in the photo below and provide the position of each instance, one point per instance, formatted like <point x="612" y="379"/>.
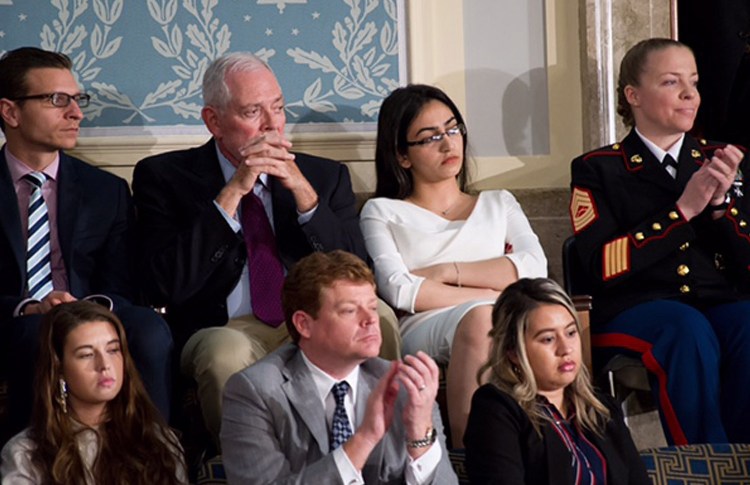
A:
<point x="441" y="254"/>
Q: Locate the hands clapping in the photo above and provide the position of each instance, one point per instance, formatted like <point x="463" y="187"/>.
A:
<point x="711" y="182"/>
<point x="419" y="376"/>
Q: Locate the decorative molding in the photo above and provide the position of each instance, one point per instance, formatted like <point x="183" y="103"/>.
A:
<point x="120" y="154"/>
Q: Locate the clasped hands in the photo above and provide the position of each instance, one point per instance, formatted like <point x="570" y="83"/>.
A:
<point x="268" y="153"/>
<point x="711" y="182"/>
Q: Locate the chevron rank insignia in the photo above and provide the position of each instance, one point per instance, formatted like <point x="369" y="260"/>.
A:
<point x="582" y="209"/>
<point x="616" y="258"/>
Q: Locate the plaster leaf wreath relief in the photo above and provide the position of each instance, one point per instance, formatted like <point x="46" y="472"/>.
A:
<point x="362" y="63"/>
<point x="359" y="72"/>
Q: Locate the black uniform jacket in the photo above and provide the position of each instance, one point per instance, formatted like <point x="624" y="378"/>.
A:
<point x="636" y="244"/>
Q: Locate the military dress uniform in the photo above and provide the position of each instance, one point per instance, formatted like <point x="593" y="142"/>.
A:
<point x="671" y="291"/>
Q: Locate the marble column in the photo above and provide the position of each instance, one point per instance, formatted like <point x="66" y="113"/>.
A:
<point x="608" y="29"/>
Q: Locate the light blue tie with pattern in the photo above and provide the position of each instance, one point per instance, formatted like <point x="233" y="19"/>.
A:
<point x="341" y="430"/>
<point x="38" y="266"/>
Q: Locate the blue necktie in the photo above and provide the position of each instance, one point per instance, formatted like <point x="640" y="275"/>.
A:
<point x="38" y="266"/>
<point x="341" y="430"/>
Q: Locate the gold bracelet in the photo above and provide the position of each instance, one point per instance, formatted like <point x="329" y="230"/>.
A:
<point x="458" y="274"/>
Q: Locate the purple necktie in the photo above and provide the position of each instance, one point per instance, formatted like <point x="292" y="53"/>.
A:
<point x="266" y="272"/>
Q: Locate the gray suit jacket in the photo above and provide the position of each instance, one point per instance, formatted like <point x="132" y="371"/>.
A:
<point x="273" y="427"/>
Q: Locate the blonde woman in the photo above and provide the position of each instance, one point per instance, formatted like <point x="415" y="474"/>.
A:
<point x="538" y="420"/>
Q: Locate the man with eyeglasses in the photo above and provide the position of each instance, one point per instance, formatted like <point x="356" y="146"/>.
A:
<point x="65" y="229"/>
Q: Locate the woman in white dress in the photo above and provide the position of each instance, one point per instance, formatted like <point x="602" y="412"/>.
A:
<point x="93" y="422"/>
<point x="442" y="255"/>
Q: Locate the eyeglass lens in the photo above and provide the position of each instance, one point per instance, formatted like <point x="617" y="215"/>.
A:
<point x="63" y="100"/>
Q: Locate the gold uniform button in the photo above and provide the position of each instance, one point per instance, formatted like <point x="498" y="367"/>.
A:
<point x="743" y="223"/>
<point x="656" y="226"/>
<point x="703" y="141"/>
<point x="683" y="270"/>
<point x="616" y="146"/>
<point x="639" y="236"/>
<point x="674" y="215"/>
<point x="636" y="159"/>
<point x="684" y="289"/>
<point x="734" y="211"/>
<point x="695" y="153"/>
<point x="685" y="246"/>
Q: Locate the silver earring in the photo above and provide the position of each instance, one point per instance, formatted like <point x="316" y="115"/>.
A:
<point x="62" y="396"/>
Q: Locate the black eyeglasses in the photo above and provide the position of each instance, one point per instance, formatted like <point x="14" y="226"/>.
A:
<point x="60" y="100"/>
<point x="459" y="129"/>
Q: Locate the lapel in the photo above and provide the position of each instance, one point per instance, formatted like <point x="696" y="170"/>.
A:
<point x="69" y="193"/>
<point x="368" y="380"/>
<point x="10" y="218"/>
<point x="643" y="164"/>
<point x="558" y="457"/>
<point x="284" y="218"/>
<point x="615" y="471"/>
<point x="205" y="166"/>
<point x="303" y="397"/>
<point x="691" y="159"/>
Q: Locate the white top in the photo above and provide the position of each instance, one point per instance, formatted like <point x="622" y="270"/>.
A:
<point x="401" y="236"/>
<point x="16" y="467"/>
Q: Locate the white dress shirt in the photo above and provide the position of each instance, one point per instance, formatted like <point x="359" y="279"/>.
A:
<point x="418" y="472"/>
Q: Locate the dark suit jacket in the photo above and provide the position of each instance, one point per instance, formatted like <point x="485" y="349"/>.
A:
<point x="636" y="244"/>
<point x="190" y="257"/>
<point x="94" y="214"/>
<point x="502" y="446"/>
<point x="274" y="430"/>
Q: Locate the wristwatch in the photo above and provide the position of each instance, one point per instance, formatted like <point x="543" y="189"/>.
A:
<point x="429" y="439"/>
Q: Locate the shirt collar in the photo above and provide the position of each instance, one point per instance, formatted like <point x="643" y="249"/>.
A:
<point x="18" y="169"/>
<point x="324" y="382"/>
<point x="674" y="150"/>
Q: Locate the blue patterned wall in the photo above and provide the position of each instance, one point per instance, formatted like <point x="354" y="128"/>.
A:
<point x="143" y="60"/>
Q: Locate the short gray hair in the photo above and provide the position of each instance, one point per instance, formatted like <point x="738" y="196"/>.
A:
<point x="215" y="90"/>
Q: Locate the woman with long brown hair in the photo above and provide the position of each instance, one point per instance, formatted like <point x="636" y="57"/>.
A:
<point x="92" y="422"/>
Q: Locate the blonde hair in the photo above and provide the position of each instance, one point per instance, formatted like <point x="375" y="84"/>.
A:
<point x="510" y="321"/>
